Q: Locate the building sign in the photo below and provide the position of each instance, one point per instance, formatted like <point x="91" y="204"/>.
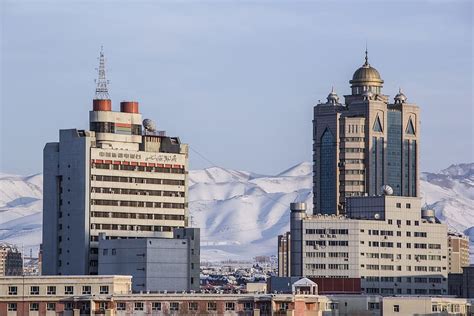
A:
<point x="164" y="158"/>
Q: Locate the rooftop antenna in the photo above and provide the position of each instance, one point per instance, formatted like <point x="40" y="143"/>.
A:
<point x="101" y="91"/>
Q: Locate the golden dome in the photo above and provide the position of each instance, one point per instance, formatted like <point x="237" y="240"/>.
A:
<point x="366" y="76"/>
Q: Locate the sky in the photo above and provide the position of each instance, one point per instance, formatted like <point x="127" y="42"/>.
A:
<point x="237" y="80"/>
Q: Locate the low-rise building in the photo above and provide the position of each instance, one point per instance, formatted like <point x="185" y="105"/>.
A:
<point x="111" y="295"/>
<point x="50" y="295"/>
<point x="156" y="264"/>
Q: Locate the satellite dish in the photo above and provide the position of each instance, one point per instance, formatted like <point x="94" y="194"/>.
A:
<point x="149" y="125"/>
<point x="387" y="190"/>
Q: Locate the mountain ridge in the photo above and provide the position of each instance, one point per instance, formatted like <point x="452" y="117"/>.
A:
<point x="240" y="213"/>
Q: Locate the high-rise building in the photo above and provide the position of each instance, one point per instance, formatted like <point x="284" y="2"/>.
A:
<point x="117" y="178"/>
<point x="368" y="232"/>
<point x="11" y="260"/>
<point x="364" y="144"/>
<point x="284" y="242"/>
<point x="458" y="252"/>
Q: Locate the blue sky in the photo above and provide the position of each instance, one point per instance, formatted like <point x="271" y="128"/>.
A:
<point x="236" y="80"/>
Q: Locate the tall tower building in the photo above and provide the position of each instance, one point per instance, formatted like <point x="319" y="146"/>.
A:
<point x="117" y="178"/>
<point x="364" y="144"/>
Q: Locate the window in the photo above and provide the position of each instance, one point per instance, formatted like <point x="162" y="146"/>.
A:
<point x="102" y="306"/>
<point x="399" y="205"/>
<point x="69" y="290"/>
<point x="11" y="307"/>
<point x="12" y="290"/>
<point x="34" y="307"/>
<point x="114" y="252"/>
<point x="193" y="306"/>
<point x="283" y="306"/>
<point x="408" y="223"/>
<point x="105" y="252"/>
<point x="86" y="289"/>
<point x="104" y="289"/>
<point x="211" y="306"/>
<point x="34" y="290"/>
<point x="229" y="306"/>
<point x="408" y="205"/>
<point x="121" y="306"/>
<point x="396" y="308"/>
<point x="174" y="306"/>
<point x="248" y="306"/>
<point x="51" y="290"/>
<point x="138" y="306"/>
<point x="68" y="306"/>
<point x="373" y="306"/>
<point x="390" y="222"/>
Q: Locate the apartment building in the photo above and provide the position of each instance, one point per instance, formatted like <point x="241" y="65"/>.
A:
<point x="387" y="245"/>
<point x="284" y="242"/>
<point x="119" y="177"/>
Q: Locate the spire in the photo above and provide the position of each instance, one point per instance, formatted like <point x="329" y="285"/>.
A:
<point x="366" y="56"/>
<point x="101" y="91"/>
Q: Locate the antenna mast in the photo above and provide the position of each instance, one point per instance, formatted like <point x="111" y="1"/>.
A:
<point x="101" y="91"/>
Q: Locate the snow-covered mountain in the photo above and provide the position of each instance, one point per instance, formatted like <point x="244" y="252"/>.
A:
<point x="240" y="213"/>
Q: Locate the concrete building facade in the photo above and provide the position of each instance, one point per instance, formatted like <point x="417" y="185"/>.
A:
<point x="156" y="264"/>
<point x="119" y="178"/>
<point x="364" y="144"/>
<point x="388" y="246"/>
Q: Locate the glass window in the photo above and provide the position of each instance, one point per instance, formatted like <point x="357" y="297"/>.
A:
<point x="174" y="306"/>
<point x="51" y="306"/>
<point x="86" y="289"/>
<point x="248" y="306"/>
<point x="327" y="171"/>
<point x="138" y="306"/>
<point x="156" y="306"/>
<point x="193" y="306"/>
<point x="34" y="306"/>
<point x="12" y="290"/>
<point x="121" y="306"/>
<point x="396" y="308"/>
<point x="69" y="290"/>
<point x="34" y="290"/>
<point x="12" y="307"/>
<point x="211" y="306"/>
<point x="104" y="289"/>
<point x="51" y="290"/>
<point x="229" y="306"/>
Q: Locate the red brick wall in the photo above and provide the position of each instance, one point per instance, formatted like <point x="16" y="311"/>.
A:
<point x="337" y="285"/>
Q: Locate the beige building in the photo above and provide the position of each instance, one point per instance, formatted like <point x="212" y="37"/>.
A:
<point x="118" y="178"/>
<point x="58" y="295"/>
<point x="458" y="252"/>
<point x="111" y="295"/>
<point x="364" y="144"/>
<point x="11" y="261"/>
<point x="386" y="246"/>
